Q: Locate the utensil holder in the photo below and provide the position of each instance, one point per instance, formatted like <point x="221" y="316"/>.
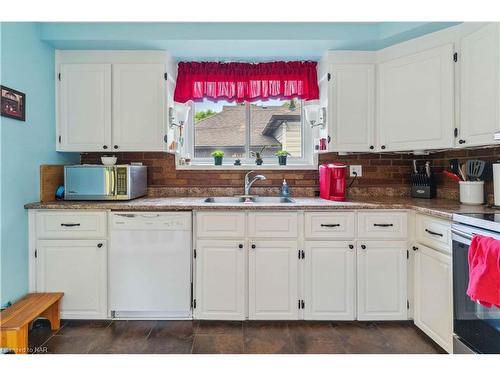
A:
<point x="471" y="192"/>
<point x="422" y="186"/>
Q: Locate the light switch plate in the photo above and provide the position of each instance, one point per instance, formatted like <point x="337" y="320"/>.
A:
<point x="355" y="170"/>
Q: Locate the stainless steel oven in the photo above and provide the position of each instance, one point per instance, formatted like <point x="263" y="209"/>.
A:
<point x="476" y="328"/>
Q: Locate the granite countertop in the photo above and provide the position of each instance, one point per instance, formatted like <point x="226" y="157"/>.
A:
<point x="437" y="207"/>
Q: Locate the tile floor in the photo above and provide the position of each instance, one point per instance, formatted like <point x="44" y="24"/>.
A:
<point x="183" y="337"/>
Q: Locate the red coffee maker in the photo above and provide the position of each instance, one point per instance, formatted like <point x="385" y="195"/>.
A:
<point x="332" y="181"/>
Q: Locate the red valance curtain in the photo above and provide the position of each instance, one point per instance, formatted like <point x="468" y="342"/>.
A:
<point x="240" y="82"/>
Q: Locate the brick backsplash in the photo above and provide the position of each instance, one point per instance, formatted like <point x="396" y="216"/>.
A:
<point x="165" y="180"/>
<point x="383" y="174"/>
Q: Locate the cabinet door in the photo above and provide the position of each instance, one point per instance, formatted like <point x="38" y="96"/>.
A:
<point x="352" y="107"/>
<point x="273" y="280"/>
<point x="479" y="91"/>
<point x="433" y="295"/>
<point x="416" y="101"/>
<point x="220" y="279"/>
<point x="139" y="107"/>
<point x="84" y="116"/>
<point x="382" y="280"/>
<point x="78" y="268"/>
<point x="330" y="280"/>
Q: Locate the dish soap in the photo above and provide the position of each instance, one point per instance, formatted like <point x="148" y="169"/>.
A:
<point x="285" y="191"/>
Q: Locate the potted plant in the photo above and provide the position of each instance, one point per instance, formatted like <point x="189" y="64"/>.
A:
<point x="282" y="154"/>
<point x="218" y="155"/>
<point x="258" y="156"/>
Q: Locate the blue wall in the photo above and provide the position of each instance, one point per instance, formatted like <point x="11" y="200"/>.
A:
<point x="235" y="41"/>
<point x="27" y="65"/>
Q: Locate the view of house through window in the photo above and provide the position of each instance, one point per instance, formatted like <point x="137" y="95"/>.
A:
<point x="241" y="128"/>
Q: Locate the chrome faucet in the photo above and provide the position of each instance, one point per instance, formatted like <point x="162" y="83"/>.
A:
<point x="248" y="183"/>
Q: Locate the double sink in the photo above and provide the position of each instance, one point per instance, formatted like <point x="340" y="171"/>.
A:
<point x="248" y="199"/>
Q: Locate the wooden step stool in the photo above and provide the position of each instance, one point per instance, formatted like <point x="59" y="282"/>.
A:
<point x="15" y="320"/>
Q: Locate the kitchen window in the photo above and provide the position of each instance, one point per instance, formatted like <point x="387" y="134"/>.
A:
<point x="241" y="129"/>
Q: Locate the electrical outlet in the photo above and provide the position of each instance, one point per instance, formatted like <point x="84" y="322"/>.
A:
<point x="355" y="170"/>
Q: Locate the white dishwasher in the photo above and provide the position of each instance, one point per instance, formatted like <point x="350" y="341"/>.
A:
<point x="150" y="265"/>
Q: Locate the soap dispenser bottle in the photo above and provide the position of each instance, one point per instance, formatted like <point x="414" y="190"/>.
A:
<point x="285" y="191"/>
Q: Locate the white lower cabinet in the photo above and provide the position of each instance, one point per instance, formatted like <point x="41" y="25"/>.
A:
<point x="78" y="268"/>
<point x="381" y="280"/>
<point x="273" y="280"/>
<point x="433" y="295"/>
<point x="220" y="268"/>
<point x="330" y="280"/>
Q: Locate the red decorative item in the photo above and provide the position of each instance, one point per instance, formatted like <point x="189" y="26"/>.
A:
<point x="241" y="82"/>
<point x="332" y="181"/>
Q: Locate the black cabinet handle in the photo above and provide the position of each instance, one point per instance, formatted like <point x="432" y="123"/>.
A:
<point x="70" y="224"/>
<point x="415" y="248"/>
<point x="372" y="147"/>
<point x="253" y="246"/>
<point x="105" y="147"/>
<point x="115" y="147"/>
<point x="363" y="247"/>
<point x="330" y="225"/>
<point x="382" y="147"/>
<point x="434" y="233"/>
<point x="351" y="246"/>
<point x="240" y="246"/>
<point x="383" y="225"/>
<point x="462" y="141"/>
<point x="99" y="245"/>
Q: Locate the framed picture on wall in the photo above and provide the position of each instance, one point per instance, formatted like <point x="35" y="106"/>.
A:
<point x="12" y="103"/>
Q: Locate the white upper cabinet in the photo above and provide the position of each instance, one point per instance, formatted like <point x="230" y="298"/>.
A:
<point x="416" y="100"/>
<point x="84" y="107"/>
<point x="111" y="101"/>
<point x="351" y="108"/>
<point x="479" y="85"/>
<point x="139" y="107"/>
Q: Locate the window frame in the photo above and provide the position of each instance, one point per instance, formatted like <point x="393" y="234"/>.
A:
<point x="308" y="160"/>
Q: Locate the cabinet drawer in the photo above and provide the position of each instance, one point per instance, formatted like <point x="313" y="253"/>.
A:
<point x="71" y="224"/>
<point x="273" y="224"/>
<point x="382" y="225"/>
<point x="433" y="232"/>
<point x="220" y="224"/>
<point x="330" y="225"/>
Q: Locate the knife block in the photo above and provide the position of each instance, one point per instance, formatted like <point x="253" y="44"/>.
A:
<point x="422" y="186"/>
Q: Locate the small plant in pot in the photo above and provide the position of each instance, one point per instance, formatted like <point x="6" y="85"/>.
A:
<point x="258" y="156"/>
<point x="218" y="155"/>
<point x="282" y="155"/>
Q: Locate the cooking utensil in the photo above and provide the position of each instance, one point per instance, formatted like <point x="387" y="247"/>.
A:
<point x="462" y="172"/>
<point x="415" y="166"/>
<point x="455" y="166"/>
<point x="453" y="176"/>
<point x="428" y="168"/>
<point x="474" y="169"/>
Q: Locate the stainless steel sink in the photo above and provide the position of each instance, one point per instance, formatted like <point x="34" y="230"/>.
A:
<point x="224" y="200"/>
<point x="247" y="200"/>
<point x="272" y="200"/>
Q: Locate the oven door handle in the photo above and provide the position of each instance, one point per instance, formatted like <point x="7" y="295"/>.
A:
<point x="462" y="234"/>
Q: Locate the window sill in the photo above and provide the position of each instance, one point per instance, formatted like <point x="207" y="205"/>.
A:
<point x="247" y="167"/>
